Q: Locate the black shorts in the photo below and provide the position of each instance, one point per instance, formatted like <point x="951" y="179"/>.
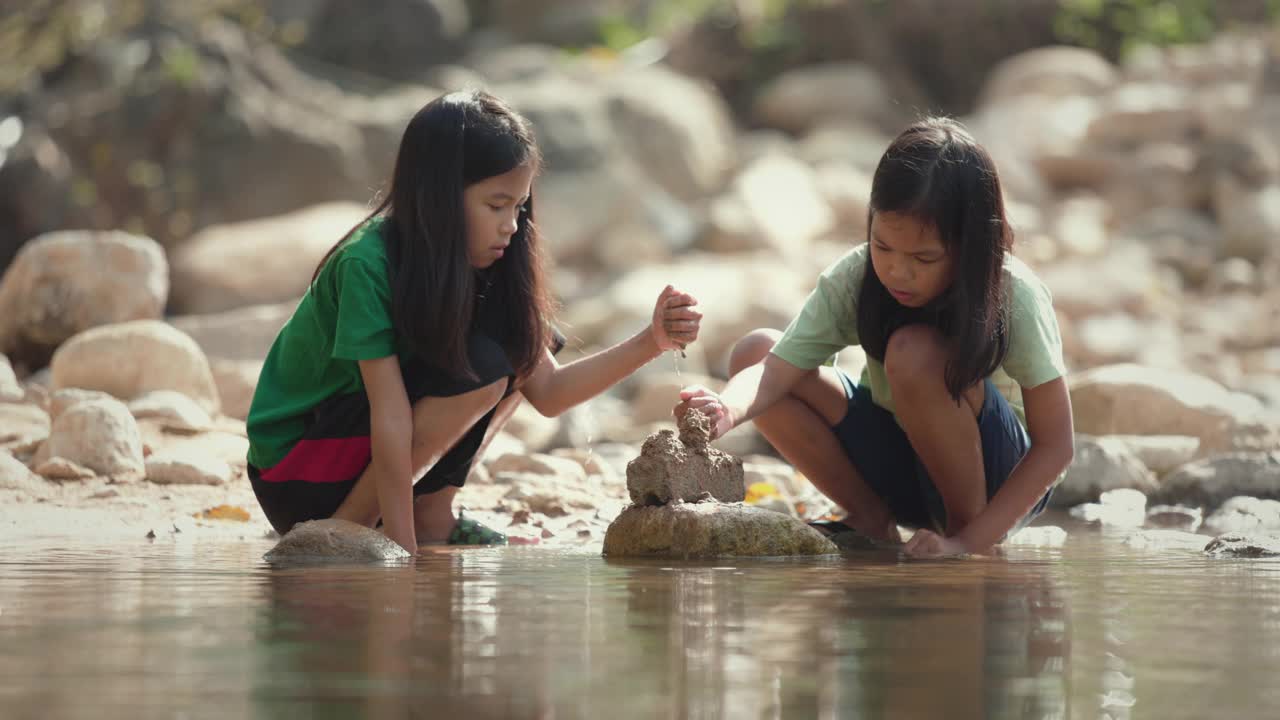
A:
<point x="878" y="447"/>
<point x="313" y="479"/>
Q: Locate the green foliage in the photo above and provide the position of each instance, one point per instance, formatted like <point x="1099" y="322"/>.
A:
<point x="1117" y="26"/>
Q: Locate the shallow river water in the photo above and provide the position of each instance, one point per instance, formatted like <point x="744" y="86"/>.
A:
<point x="1089" y="630"/>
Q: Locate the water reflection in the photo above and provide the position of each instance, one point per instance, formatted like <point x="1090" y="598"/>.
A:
<point x="518" y="635"/>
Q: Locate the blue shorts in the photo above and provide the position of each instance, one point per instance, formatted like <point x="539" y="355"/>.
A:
<point x="880" y="450"/>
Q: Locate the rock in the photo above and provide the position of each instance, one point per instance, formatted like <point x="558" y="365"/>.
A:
<point x="244" y="334"/>
<point x="684" y="468"/>
<point x="774" y="203"/>
<point x="532" y="428"/>
<point x="100" y="435"/>
<point x="503" y="443"/>
<point x="1243" y="545"/>
<point x="1233" y="275"/>
<point x="59" y="468"/>
<point x="656" y="394"/>
<point x="805" y="97"/>
<point x="1137" y="113"/>
<point x="1250" y="221"/>
<point x="1140" y="400"/>
<point x="334" y="540"/>
<point x="686" y="530"/>
<point x="547" y="494"/>
<point x="1210" y="482"/>
<point x="236" y="382"/>
<point x="1245" y="514"/>
<point x="594" y="465"/>
<point x="256" y="262"/>
<point x="1165" y="540"/>
<point x="1101" y="464"/>
<point x="1178" y="517"/>
<point x="1122" y="279"/>
<point x="1059" y="71"/>
<point x="22" y="427"/>
<point x="172" y="409"/>
<point x="1038" y="536"/>
<point x="1160" y="453"/>
<point x="10" y="390"/>
<point x="1121" y="507"/>
<point x="539" y="464"/>
<point x="170" y="468"/>
<point x="401" y="41"/>
<point x="129" y="359"/>
<point x="675" y="127"/>
<point x="16" y="476"/>
<point x="66" y="398"/>
<point x="63" y="283"/>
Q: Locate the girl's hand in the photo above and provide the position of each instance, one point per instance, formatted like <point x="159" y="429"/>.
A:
<point x="926" y="543"/>
<point x="696" y="397"/>
<point x="675" y="323"/>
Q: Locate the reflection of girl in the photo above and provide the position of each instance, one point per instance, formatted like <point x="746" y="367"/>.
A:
<point x="927" y="438"/>
<point x="419" y="334"/>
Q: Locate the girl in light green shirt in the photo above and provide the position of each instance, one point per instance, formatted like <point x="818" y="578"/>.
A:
<point x="961" y="422"/>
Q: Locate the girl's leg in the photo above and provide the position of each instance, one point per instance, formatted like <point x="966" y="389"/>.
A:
<point x="799" y="427"/>
<point x="943" y="432"/>
<point x="438" y="424"/>
<point x="433" y="516"/>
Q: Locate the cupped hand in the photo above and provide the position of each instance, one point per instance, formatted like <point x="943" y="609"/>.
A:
<point x="675" y="322"/>
<point x="697" y="397"/>
<point x="926" y="544"/>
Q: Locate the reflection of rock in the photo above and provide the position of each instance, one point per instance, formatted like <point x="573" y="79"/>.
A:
<point x="684" y="468"/>
<point x="711" y="530"/>
<point x="1242" y="545"/>
<point x="334" y="540"/>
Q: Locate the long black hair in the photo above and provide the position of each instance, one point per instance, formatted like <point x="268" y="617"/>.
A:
<point x="938" y="174"/>
<point x="452" y="143"/>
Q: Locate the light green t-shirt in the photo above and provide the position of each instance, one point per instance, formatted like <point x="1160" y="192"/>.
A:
<point x="828" y="323"/>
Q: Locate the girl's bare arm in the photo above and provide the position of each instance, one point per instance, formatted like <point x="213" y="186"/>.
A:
<point x="391" y="431"/>
<point x="553" y="388"/>
<point x="1049" y="423"/>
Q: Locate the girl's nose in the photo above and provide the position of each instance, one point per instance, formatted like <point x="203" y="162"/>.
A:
<point x="509" y="226"/>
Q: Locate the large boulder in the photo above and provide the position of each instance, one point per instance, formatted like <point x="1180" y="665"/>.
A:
<point x="1059" y="71"/>
<point x="708" y="529"/>
<point x="1133" y="399"/>
<point x="100" y="435"/>
<point x="334" y="540"/>
<point x="1101" y="464"/>
<point x="675" y="127"/>
<point x="1212" y="481"/>
<point x="401" y="41"/>
<point x="803" y="98"/>
<point x="244" y="334"/>
<point x="63" y="283"/>
<point x="129" y="359"/>
<point x="257" y="262"/>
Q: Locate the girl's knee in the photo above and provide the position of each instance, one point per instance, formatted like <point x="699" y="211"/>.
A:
<point x="912" y="353"/>
<point x="751" y="349"/>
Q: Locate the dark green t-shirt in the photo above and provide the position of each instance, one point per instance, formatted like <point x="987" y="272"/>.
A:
<point x="344" y="317"/>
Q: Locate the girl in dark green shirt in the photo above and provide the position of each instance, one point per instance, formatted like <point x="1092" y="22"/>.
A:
<point x="422" y="330"/>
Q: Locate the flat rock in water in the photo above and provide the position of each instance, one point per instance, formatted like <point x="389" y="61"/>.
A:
<point x="1243" y="545"/>
<point x="335" y="540"/>
<point x="710" y="529"/>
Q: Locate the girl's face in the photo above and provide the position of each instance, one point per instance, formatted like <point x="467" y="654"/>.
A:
<point x="909" y="258"/>
<point x="494" y="206"/>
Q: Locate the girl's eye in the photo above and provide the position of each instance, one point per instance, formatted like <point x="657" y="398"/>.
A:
<point x="495" y="208"/>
